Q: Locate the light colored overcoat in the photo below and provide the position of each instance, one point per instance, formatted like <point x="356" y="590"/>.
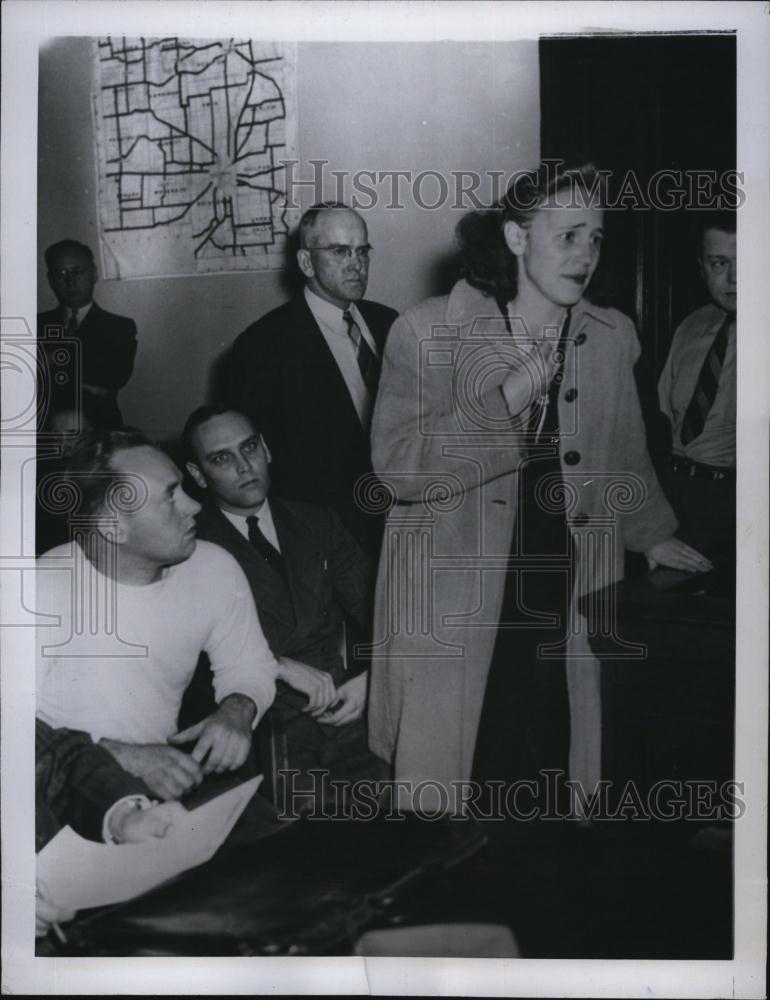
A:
<point x="447" y="448"/>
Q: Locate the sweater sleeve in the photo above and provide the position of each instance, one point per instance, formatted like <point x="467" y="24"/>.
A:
<point x="241" y="660"/>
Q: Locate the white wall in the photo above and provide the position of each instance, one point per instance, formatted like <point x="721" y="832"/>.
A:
<point x="442" y="106"/>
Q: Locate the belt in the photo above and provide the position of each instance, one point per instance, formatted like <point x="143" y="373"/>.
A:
<point x="681" y="466"/>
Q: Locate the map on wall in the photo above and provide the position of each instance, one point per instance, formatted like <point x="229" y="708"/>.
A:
<point x="191" y="139"/>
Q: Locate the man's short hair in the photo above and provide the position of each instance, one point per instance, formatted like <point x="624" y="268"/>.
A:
<point x="65" y="246"/>
<point x="91" y="474"/>
<point x="725" y="220"/>
<point x="201" y="416"/>
<point x="308" y="221"/>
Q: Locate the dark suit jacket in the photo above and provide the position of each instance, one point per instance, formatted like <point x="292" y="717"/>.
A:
<point x="76" y="782"/>
<point x="107" y="347"/>
<point x="329" y="580"/>
<point x="283" y="375"/>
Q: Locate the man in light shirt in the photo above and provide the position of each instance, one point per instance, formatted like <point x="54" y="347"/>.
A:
<point x="307" y="373"/>
<point x="127" y="607"/>
<point x="698" y="392"/>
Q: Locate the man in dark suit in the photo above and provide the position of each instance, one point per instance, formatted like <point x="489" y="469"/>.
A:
<point x="307" y="372"/>
<point x="307" y="575"/>
<point x="88" y="378"/>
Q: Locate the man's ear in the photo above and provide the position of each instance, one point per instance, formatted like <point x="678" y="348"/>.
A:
<point x="305" y="263"/>
<point x="111" y="526"/>
<point x="516" y="238"/>
<point x="268" y="456"/>
<point x="196" y="474"/>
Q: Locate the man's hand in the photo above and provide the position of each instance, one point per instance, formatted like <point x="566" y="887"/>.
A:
<point x="47" y="913"/>
<point x="132" y="825"/>
<point x="224" y="738"/>
<point x="316" y="684"/>
<point x="168" y="772"/>
<point x="677" y="555"/>
<point x="350" y="704"/>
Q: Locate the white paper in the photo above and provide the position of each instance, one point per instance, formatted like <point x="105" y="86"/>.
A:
<point x="79" y="873"/>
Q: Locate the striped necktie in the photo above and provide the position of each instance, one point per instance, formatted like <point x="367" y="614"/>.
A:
<point x="368" y="363"/>
<point x="707" y="385"/>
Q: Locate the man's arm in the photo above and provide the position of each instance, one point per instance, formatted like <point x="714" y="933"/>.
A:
<point x="243" y="668"/>
<point x="76" y="781"/>
<point x="168" y="772"/>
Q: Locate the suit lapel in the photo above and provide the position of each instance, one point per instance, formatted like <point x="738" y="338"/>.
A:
<point x="315" y="353"/>
<point x="302" y="559"/>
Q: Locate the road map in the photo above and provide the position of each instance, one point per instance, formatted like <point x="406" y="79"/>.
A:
<point x="191" y="138"/>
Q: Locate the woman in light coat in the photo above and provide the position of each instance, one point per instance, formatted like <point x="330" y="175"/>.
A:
<point x="513" y="386"/>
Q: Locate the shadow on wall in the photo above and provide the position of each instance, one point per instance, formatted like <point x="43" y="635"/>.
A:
<point x="443" y="274"/>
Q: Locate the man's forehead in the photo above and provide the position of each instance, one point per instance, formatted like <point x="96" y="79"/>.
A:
<point x="223" y="431"/>
<point x="338" y="225"/>
<point x="73" y="256"/>
<point x="718" y="241"/>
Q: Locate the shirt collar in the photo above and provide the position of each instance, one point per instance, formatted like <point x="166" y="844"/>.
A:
<point x="326" y="312"/>
<point x="83" y="311"/>
<point x="263" y="515"/>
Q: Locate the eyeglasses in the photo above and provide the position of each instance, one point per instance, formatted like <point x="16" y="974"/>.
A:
<point x="72" y="272"/>
<point x="341" y="251"/>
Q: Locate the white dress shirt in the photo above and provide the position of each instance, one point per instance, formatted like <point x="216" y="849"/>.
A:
<point x="266" y="524"/>
<point x="335" y="333"/>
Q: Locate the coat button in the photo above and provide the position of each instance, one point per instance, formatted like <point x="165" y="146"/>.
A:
<point x="581" y="338"/>
<point x="580" y="520"/>
<point x="570" y="395"/>
<point x="572" y="457"/>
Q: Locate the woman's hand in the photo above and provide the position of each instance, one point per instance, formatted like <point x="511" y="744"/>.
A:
<point x="677" y="555"/>
<point x="528" y="381"/>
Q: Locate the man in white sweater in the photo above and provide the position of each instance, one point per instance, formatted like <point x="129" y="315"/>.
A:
<point x="127" y="607"/>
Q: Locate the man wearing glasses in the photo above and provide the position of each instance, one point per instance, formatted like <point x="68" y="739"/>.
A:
<point x="306" y="373"/>
<point x="87" y="353"/>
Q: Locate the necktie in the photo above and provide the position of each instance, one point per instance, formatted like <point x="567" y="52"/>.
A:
<point x="269" y="552"/>
<point x="707" y="385"/>
<point x="72" y="322"/>
<point x="368" y="363"/>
